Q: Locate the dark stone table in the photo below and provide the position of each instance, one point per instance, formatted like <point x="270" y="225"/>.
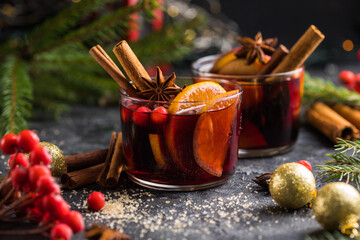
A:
<point x="239" y="209"/>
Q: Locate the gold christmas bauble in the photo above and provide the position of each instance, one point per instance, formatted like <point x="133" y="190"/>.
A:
<point x="335" y="204"/>
<point x="58" y="165"/>
<point x="292" y="185"/>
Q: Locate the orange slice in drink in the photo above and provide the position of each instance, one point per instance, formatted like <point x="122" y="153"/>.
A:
<point x="184" y="113"/>
<point x="158" y="150"/>
<point x="212" y="133"/>
<point x="194" y="95"/>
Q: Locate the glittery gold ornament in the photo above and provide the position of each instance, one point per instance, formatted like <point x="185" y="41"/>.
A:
<point x="337" y="207"/>
<point x="58" y="165"/>
<point x="292" y="185"/>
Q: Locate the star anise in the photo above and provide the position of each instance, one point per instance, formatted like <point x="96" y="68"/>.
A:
<point x="160" y="89"/>
<point x="256" y="48"/>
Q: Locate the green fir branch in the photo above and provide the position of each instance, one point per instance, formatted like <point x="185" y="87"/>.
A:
<point x="318" y="89"/>
<point x="345" y="163"/>
<point x="326" y="235"/>
<point x="16" y="95"/>
<point x="103" y="29"/>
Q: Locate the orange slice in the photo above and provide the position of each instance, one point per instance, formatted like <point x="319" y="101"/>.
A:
<point x="212" y="133"/>
<point x="191" y="96"/>
<point x="157" y="149"/>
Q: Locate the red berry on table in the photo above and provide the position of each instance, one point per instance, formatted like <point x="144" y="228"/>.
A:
<point x="75" y="220"/>
<point x="61" y="231"/>
<point x="40" y="154"/>
<point x="159" y="115"/>
<point x="96" y="201"/>
<point x="141" y="116"/>
<point x="27" y="140"/>
<point x="347" y="78"/>
<point x="56" y="206"/>
<point x="35" y="172"/>
<point x="8" y="143"/>
<point x="306" y="164"/>
<point x="21" y="160"/>
<point x="19" y="178"/>
<point x="357" y="82"/>
<point x="46" y="185"/>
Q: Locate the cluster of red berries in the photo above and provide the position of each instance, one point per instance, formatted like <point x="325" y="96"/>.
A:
<point x="32" y="178"/>
<point x="350" y="80"/>
<point x="141" y="116"/>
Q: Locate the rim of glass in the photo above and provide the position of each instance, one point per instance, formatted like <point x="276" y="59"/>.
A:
<point x="238" y="87"/>
<point x="195" y="66"/>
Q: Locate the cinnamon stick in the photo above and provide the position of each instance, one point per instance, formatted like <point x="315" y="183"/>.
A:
<point x="131" y="64"/>
<point x="350" y="114"/>
<point x="331" y="124"/>
<point x="101" y="177"/>
<point x="116" y="164"/>
<point x="85" y="160"/>
<point x="81" y="178"/>
<point x="301" y="50"/>
<point x="110" y="67"/>
<point x="276" y="58"/>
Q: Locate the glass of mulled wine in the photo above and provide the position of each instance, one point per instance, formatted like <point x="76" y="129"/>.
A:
<point x="182" y="145"/>
<point x="271" y="106"/>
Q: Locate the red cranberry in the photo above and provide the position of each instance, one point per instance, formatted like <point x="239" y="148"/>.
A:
<point x="35" y="172"/>
<point x="347" y="78"/>
<point x="96" y="201"/>
<point x="39" y="204"/>
<point x="306" y="164"/>
<point x="8" y="143"/>
<point x="21" y="160"/>
<point x="75" y="220"/>
<point x="141" y="116"/>
<point x="40" y="154"/>
<point x="61" y="231"/>
<point x="46" y="185"/>
<point x="159" y="115"/>
<point x="19" y="178"/>
<point x="27" y="140"/>
<point x="56" y="206"/>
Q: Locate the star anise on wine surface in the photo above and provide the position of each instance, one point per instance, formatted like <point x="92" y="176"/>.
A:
<point x="161" y="89"/>
<point x="256" y="48"/>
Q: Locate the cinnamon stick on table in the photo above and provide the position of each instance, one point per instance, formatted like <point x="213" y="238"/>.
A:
<point x="330" y="123"/>
<point x="101" y="177"/>
<point x="116" y="164"/>
<point x="81" y="178"/>
<point x="350" y="114"/>
<point x="85" y="160"/>
<point x="111" y="68"/>
<point x="131" y="64"/>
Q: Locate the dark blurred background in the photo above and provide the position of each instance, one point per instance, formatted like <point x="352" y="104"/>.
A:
<point x="287" y="20"/>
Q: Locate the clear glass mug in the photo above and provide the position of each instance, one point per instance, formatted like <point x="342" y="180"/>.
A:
<point x="271" y="107"/>
<point x="194" y="148"/>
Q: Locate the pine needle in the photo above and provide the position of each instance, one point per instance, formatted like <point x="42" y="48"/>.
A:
<point x="345" y="163"/>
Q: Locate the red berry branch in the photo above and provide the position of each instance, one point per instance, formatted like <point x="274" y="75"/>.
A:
<point x="30" y="193"/>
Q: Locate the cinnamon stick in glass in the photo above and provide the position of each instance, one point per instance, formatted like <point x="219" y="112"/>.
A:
<point x="331" y="124"/>
<point x="301" y="50"/>
<point x="81" y="178"/>
<point x="112" y="69"/>
<point x="85" y="160"/>
<point x="116" y="164"/>
<point x="350" y="114"/>
<point x="131" y="64"/>
<point x="276" y="58"/>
